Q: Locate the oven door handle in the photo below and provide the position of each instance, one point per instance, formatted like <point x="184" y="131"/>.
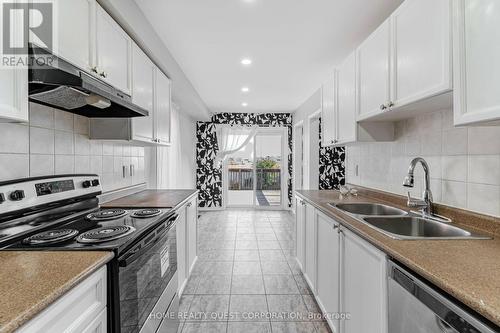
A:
<point x="132" y="256"/>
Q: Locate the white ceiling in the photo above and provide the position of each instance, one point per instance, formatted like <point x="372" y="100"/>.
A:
<point x="294" y="44"/>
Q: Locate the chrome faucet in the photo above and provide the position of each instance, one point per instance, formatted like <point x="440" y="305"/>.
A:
<point x="425" y="204"/>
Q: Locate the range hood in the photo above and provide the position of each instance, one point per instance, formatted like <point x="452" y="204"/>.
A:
<point x="66" y="87"/>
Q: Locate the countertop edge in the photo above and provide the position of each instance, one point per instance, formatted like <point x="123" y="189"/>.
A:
<point x="188" y="197"/>
<point x="44" y="303"/>
<point x="344" y="218"/>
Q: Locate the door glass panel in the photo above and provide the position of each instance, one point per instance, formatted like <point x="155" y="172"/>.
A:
<point x="268" y="152"/>
<point x="240" y="176"/>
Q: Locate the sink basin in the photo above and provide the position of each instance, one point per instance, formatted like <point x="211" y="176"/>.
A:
<point x="370" y="209"/>
<point x="411" y="227"/>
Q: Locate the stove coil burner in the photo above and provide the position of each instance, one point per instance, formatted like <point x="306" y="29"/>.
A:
<point x="107" y="214"/>
<point x="144" y="213"/>
<point x="105" y="234"/>
<point x="51" y="237"/>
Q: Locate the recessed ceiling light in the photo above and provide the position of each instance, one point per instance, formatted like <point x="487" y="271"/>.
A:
<point x="244" y="104"/>
<point x="245" y="89"/>
<point x="246" y="61"/>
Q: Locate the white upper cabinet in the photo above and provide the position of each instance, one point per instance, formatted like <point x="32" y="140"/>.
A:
<point x="75" y="31"/>
<point x="14" y="85"/>
<point x="421" y="50"/>
<point x="162" y="110"/>
<point x="346" y="112"/>
<point x="373" y="59"/>
<point x="476" y="68"/>
<point x="363" y="285"/>
<point x="328" y="282"/>
<point x="113" y="52"/>
<point x="328" y="121"/>
<point x="143" y="94"/>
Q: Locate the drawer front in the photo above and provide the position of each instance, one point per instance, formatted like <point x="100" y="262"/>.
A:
<point x="76" y="310"/>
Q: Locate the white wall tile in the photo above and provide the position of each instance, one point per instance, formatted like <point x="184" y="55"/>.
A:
<point x="118" y="150"/>
<point x="96" y="164"/>
<point x="454" y="193"/>
<point x="455" y="141"/>
<point x="14" y="166"/>
<point x="15" y="138"/>
<point x="454" y="168"/>
<point x="127" y="151"/>
<point x="64" y="164"/>
<point x="484" y="169"/>
<point x="108" y="164"/>
<point x="484" y="140"/>
<point x="81" y="125"/>
<point x="64" y="143"/>
<point x="41" y="115"/>
<point x="63" y="121"/>
<point x="95" y="148"/>
<point x="107" y="149"/>
<point x="82" y="145"/>
<point x="82" y="164"/>
<point x="41" y="141"/>
<point x="41" y="165"/>
<point x="483" y="198"/>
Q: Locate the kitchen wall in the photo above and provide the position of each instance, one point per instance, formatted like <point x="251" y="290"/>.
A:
<point x="464" y="161"/>
<point x="57" y="142"/>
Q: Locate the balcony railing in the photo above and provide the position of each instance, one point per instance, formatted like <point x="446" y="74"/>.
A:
<point x="242" y="179"/>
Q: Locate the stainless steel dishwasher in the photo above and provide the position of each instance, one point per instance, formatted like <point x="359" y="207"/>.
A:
<point x="415" y="307"/>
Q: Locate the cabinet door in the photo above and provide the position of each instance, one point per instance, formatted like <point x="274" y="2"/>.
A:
<point x="74" y="28"/>
<point x="113" y="52"/>
<point x="373" y="58"/>
<point x="363" y="286"/>
<point x="192" y="224"/>
<point x="422" y="56"/>
<point x="142" y="94"/>
<point x="181" y="230"/>
<point x="300" y="217"/>
<point x="328" y="121"/>
<point x="346" y="111"/>
<point x="328" y="284"/>
<point x="310" y="247"/>
<point x="14" y="83"/>
<point x="162" y="110"/>
<point x="476" y="54"/>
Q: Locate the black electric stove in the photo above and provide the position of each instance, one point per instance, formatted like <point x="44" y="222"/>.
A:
<point x="63" y="213"/>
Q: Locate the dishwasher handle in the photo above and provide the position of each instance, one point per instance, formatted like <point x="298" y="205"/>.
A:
<point x="448" y="313"/>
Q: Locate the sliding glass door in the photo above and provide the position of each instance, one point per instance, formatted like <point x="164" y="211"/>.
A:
<point x="254" y="174"/>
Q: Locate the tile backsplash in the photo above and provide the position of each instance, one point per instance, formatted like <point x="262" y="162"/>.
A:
<point x="464" y="162"/>
<point x="57" y="142"/>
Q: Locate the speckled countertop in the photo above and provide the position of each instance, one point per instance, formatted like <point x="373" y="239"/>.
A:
<point x="468" y="270"/>
<point x="32" y="280"/>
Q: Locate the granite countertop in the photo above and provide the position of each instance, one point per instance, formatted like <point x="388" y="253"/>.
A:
<point x="152" y="199"/>
<point x="468" y="270"/>
<point x="32" y="280"/>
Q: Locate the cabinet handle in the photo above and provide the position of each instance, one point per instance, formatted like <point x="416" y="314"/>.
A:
<point x="131" y="170"/>
<point x="383" y="107"/>
<point x="103" y="74"/>
<point x="189" y="204"/>
<point x="390" y="104"/>
<point x="335" y="226"/>
<point x="124" y="169"/>
<point x="94" y="69"/>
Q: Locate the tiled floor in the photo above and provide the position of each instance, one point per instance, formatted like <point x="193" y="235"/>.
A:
<point x="246" y="278"/>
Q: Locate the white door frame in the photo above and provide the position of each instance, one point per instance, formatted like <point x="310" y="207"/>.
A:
<point x="283" y="131"/>
<point x="310" y="145"/>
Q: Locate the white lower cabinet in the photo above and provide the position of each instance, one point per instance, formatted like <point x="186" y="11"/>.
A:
<point x="327" y="288"/>
<point x="310" y="247"/>
<point x="82" y="309"/>
<point x="300" y="216"/>
<point x="346" y="274"/>
<point x="363" y="285"/>
<point x="186" y="230"/>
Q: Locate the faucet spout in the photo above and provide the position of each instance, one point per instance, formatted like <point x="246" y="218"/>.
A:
<point x="409" y="181"/>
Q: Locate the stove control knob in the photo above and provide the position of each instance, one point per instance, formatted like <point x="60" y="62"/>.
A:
<point x="86" y="184"/>
<point x="2" y="198"/>
<point x="17" y="195"/>
<point x="95" y="182"/>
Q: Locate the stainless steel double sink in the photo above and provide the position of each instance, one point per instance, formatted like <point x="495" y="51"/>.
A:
<point x="400" y="224"/>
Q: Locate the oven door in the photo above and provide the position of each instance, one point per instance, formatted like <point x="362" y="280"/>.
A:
<point x="148" y="280"/>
